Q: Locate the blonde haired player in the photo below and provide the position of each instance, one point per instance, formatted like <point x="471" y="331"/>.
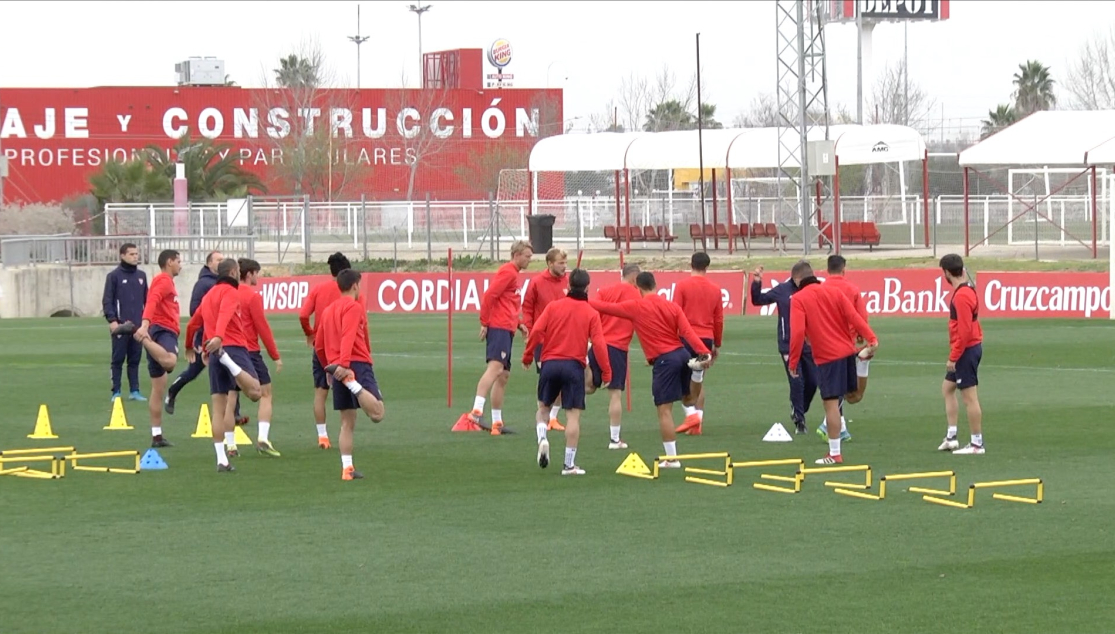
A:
<point x="543" y="289"/>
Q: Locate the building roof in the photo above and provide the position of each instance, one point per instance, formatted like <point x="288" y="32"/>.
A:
<point x="748" y="148"/>
<point x="1053" y="137"/>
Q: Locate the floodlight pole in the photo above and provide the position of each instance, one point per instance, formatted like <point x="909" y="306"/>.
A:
<point x="701" y="148"/>
<point x="358" y="40"/>
<point x="418" y="10"/>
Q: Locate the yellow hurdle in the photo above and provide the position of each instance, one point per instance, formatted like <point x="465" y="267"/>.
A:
<point x="57" y="466"/>
<point x="73" y="458"/>
<point x="1039" y="494"/>
<point x="951" y="475"/>
<point x="794" y="479"/>
<point x="36" y="450"/>
<point x="725" y="473"/>
<point x="866" y="469"/>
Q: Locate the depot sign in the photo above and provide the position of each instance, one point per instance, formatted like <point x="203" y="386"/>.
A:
<point x="895" y="292"/>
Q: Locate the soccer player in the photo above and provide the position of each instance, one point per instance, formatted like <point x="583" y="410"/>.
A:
<point x="617" y="332"/>
<point x="836" y="266"/>
<point x="965" y="352"/>
<point x="663" y="333"/>
<point x="544" y="288"/>
<point x="318" y="300"/>
<point x="230" y="367"/>
<point x="803" y="386"/>
<point x="499" y="319"/>
<point x="206" y="278"/>
<point x="158" y="334"/>
<point x="700" y="300"/>
<point x="124" y="298"/>
<point x="563" y="332"/>
<point x="822" y="314"/>
<point x="342" y="341"/>
<point x="256" y="329"/>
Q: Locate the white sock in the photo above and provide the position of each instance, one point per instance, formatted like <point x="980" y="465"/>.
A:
<point x="689" y="410"/>
<point x="353" y="386"/>
<point x="554" y="412"/>
<point x="156" y="431"/>
<point x="697" y="376"/>
<point x="478" y="404"/>
<point x="615" y="432"/>
<point x="541" y="428"/>
<point x="264" y="429"/>
<point x="222" y="457"/>
<point x="843" y="424"/>
<point x="671" y="447"/>
<point x="701" y="415"/>
<point x="346" y="462"/>
<point x="227" y="361"/>
<point x="322" y="431"/>
<point x="497" y="415"/>
<point x="570" y="456"/>
<point x="230" y="438"/>
<point x="951" y="433"/>
<point x="977" y="439"/>
<point x="834" y="447"/>
<point x="861" y="367"/>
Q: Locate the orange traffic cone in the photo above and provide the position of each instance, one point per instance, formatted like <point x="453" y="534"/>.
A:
<point x="465" y="423"/>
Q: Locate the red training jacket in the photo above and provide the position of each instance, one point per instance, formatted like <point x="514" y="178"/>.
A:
<point x="320" y="297"/>
<point x="344" y="333"/>
<point x="255" y="322"/>
<point x="965" y="330"/>
<point x="822" y="314"/>
<point x="851" y="291"/>
<point x="699" y="297"/>
<point x="219" y="313"/>
<point x="543" y="289"/>
<point x="660" y="324"/>
<point x="500" y="305"/>
<point x="162" y="308"/>
<point x="618" y="330"/>
<point x="565" y="329"/>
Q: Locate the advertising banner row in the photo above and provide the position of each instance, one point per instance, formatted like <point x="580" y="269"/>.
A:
<point x="893" y="292"/>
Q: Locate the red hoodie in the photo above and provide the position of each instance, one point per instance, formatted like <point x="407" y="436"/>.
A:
<point x="162" y="304"/>
<point x="500" y="306"/>
<point x="965" y="330"/>
<point x="343" y="336"/>
<point x="564" y="330"/>
<point x="219" y="313"/>
<point x="851" y="291"/>
<point x="542" y="289"/>
<point x="255" y="322"/>
<point x="822" y="314"/>
<point x="618" y="330"/>
<point x="700" y="299"/>
<point x="660" y="324"/>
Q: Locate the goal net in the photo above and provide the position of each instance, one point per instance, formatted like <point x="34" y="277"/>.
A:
<point x="1052" y="205"/>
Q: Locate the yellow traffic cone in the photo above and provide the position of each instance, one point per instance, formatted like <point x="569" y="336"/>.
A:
<point x="204" y="423"/>
<point x="118" y="420"/>
<point x="42" y="425"/>
<point x="240" y="437"/>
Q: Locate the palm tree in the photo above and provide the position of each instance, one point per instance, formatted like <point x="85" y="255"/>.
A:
<point x="212" y="171"/>
<point x="1033" y="88"/>
<point x="132" y="181"/>
<point x="708" y="117"/>
<point x="296" y="72"/>
<point x="1001" y="117"/>
<point x="667" y="116"/>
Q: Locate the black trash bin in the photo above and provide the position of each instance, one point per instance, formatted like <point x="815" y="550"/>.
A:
<point x="541" y="232"/>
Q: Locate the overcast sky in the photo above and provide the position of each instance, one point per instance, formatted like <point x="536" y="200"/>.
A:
<point x="965" y="63"/>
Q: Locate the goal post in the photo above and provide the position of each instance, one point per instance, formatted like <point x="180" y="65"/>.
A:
<point x="1062" y="211"/>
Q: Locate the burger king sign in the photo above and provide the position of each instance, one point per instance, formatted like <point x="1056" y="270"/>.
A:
<point x="499" y="53"/>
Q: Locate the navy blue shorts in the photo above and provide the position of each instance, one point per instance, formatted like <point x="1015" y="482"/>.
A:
<point x="320" y="380"/>
<point x="967" y="368"/>
<point x="499" y="346"/>
<point x="344" y="399"/>
<point x="564" y="378"/>
<point x="168" y="341"/>
<point x="618" y="360"/>
<point x="220" y="379"/>
<point x="692" y="352"/>
<point x="671" y="376"/>
<point x="262" y="373"/>
<point x="837" y="378"/>
<point x="538" y="358"/>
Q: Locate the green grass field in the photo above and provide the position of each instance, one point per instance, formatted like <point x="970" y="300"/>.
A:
<point x="464" y="533"/>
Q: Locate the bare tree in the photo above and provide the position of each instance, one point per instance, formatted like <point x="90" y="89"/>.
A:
<point x="763" y="113"/>
<point x="634" y="101"/>
<point x="896" y="100"/>
<point x="424" y="125"/>
<point x="486" y="161"/>
<point x="1091" y="78"/>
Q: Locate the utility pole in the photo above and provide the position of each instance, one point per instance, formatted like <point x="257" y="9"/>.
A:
<point x="419" y="10"/>
<point x="358" y="40"/>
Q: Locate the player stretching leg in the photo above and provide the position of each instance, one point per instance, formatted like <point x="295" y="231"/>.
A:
<point x="836" y="266"/>
<point x="822" y="314"/>
<point x="663" y="332"/>
<point x="547" y="286"/>
<point x="499" y="319"/>
<point x="256" y="328"/>
<point x="564" y="331"/>
<point x="318" y="300"/>
<point x="230" y="367"/>
<point x="965" y="353"/>
<point x="345" y="344"/>
<point x="700" y="300"/>
<point x="618" y="333"/>
<point x="158" y="334"/>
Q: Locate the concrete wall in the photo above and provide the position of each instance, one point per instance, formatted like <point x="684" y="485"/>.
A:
<point x="58" y="290"/>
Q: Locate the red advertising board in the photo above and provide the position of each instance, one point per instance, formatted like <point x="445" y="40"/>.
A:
<point x="895" y="292"/>
<point x="55" y="138"/>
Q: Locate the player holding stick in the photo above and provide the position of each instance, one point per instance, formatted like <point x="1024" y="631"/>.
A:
<point x="617" y="332"/>
<point x="548" y="286"/>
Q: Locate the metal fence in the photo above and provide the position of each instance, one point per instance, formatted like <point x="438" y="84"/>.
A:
<point x="79" y="250"/>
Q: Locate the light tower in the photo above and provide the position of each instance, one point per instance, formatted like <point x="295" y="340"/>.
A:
<point x="358" y="40"/>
